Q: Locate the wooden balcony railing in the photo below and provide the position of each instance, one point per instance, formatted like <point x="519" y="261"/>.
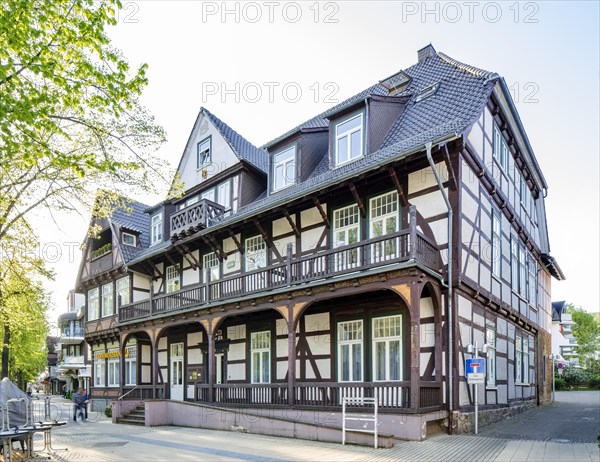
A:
<point x="138" y="392"/>
<point x="194" y="217"/>
<point x="405" y="245"/>
<point x="317" y="395"/>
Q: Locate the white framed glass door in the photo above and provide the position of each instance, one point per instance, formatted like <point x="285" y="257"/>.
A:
<point x="384" y="219"/>
<point x="346" y="231"/>
<point x="176" y="371"/>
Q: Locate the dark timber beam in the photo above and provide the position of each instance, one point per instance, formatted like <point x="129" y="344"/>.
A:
<point x="238" y="244"/>
<point x="358" y="200"/>
<point x="291" y="222"/>
<point x="173" y="262"/>
<point x="191" y="255"/>
<point x="184" y="253"/>
<point x="212" y="247"/>
<point x="155" y="270"/>
<point x="218" y="247"/>
<point x="398" y="186"/>
<point x="322" y="212"/>
<point x="267" y="239"/>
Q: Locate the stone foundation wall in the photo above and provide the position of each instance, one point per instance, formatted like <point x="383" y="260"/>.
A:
<point x="465" y="423"/>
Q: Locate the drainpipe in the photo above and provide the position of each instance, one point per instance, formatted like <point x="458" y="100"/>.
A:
<point x="448" y="285"/>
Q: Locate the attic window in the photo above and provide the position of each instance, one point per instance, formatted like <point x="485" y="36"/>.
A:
<point x="128" y="239"/>
<point x="204" y="152"/>
<point x="396" y="83"/>
<point x="427" y="92"/>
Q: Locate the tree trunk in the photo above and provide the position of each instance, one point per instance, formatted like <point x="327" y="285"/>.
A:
<point x="5" y="351"/>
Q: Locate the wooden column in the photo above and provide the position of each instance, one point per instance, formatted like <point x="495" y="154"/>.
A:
<point x="291" y="359"/>
<point x="415" y="346"/>
<point x="154" y="348"/>
<point x="121" y="365"/>
<point x="211" y="364"/>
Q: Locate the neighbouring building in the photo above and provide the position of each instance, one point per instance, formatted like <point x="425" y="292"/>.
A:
<point x="317" y="266"/>
<point x="74" y="365"/>
<point x="564" y="343"/>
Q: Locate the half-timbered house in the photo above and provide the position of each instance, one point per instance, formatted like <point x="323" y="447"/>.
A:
<point x="356" y="255"/>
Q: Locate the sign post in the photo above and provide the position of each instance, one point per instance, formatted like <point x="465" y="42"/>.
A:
<point x="475" y="372"/>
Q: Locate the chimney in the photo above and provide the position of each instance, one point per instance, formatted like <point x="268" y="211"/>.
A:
<point x="426" y="52"/>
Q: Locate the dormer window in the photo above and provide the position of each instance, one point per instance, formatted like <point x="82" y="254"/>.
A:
<point x="156" y="229"/>
<point x="349" y="139"/>
<point x="284" y="168"/>
<point x="204" y="152"/>
<point x="128" y="239"/>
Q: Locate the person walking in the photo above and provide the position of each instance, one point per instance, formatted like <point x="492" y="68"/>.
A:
<point x="80" y="400"/>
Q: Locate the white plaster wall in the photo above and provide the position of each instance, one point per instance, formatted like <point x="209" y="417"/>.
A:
<point x="282" y="226"/>
<point x="190" y="277"/>
<point x="319" y="344"/>
<point x="236" y="332"/>
<point x="310" y="238"/>
<point x="282" y="243"/>
<point x="312" y="216"/>
<point x="424" y="178"/>
<point x="324" y="366"/>
<point x="233" y="263"/>
<point x="237" y="351"/>
<point x="222" y="155"/>
<point x="194" y="356"/>
<point x="236" y="372"/>
<point x="315" y="322"/>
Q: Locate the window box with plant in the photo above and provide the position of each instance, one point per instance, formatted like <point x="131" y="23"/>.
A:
<point x="101" y="251"/>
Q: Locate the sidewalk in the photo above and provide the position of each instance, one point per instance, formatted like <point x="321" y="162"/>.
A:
<point x="100" y="440"/>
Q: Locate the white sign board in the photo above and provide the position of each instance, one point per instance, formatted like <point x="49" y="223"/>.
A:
<point x="475" y="377"/>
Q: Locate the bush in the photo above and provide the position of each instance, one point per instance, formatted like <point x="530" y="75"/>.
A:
<point x="108" y="411"/>
<point x="575" y="376"/>
<point x="595" y="382"/>
<point x="560" y="383"/>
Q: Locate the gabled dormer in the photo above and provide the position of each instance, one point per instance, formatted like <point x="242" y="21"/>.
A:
<point x="221" y="171"/>
<point x="359" y="127"/>
<point x="295" y="157"/>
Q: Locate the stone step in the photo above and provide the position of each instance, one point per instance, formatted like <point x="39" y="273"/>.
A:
<point x="129" y="421"/>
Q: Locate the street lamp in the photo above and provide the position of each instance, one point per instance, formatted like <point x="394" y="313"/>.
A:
<point x="474" y="351"/>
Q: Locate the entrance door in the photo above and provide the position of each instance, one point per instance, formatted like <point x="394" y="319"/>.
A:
<point x="219" y="369"/>
<point x="177" y="371"/>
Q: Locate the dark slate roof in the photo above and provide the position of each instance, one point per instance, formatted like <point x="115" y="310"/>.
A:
<point x="134" y="220"/>
<point x="240" y="145"/>
<point x="462" y="94"/>
<point x="558" y="308"/>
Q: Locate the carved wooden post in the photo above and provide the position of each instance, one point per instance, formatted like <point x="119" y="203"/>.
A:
<point x="151" y="296"/>
<point x="121" y="365"/>
<point x="412" y="211"/>
<point x="154" y="347"/>
<point x="288" y="275"/>
<point x="207" y="285"/>
<point x="211" y="364"/>
<point x="291" y="358"/>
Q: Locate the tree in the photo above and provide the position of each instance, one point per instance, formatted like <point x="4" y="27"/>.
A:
<point x="587" y="332"/>
<point x="70" y="115"/>
<point x="23" y="306"/>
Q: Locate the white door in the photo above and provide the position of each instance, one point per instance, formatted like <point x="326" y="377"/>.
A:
<point x="384" y="220"/>
<point x="346" y="231"/>
<point x="177" y="371"/>
<point x="219" y="357"/>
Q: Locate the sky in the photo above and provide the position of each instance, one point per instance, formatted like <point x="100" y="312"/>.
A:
<point x="265" y="67"/>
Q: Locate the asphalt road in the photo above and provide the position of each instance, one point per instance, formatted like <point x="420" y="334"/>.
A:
<point x="573" y="418"/>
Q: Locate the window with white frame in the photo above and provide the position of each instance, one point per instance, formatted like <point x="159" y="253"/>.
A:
<point x="173" y="280"/>
<point x="387" y="348"/>
<point x="501" y="151"/>
<point x="514" y="263"/>
<point x="521" y="358"/>
<point x="129" y="239"/>
<point x="531" y="280"/>
<point x="496" y="244"/>
<point x="284" y="168"/>
<point x="346" y="231"/>
<point x="204" y="152"/>
<point x="260" y="354"/>
<point x="108" y="306"/>
<point x="522" y="271"/>
<point x="123" y="296"/>
<point x="156" y="232"/>
<point x="131" y="365"/>
<point x="384" y="219"/>
<point x="490" y="370"/>
<point x="255" y="255"/>
<point x="211" y="265"/>
<point x="349" y="139"/>
<point x="350" y="351"/>
<point x="113" y="368"/>
<point x="99" y="370"/>
<point x="93" y="303"/>
<point x="209" y="195"/>
<point x="224" y="194"/>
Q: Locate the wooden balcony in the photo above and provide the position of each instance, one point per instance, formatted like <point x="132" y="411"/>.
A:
<point x="402" y="246"/>
<point x="392" y="396"/>
<point x="194" y="218"/>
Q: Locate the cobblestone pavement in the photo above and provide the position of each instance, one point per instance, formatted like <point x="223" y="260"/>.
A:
<point x="100" y="440"/>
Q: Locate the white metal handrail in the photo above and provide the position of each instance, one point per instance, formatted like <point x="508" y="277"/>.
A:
<point x="360" y="401"/>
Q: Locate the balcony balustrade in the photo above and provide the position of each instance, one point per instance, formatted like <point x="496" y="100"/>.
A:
<point x="194" y="218"/>
<point x="402" y="246"/>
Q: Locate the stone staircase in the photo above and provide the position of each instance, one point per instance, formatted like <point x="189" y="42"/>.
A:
<point x="136" y="417"/>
